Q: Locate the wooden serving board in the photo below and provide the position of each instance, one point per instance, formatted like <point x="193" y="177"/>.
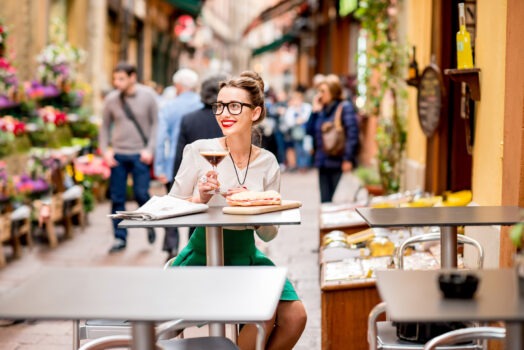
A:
<point x="262" y="208"/>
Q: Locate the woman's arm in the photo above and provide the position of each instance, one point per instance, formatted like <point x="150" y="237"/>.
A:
<point x="187" y="176"/>
<point x="351" y="128"/>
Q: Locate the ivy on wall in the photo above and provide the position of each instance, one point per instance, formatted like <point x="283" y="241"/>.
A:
<point x="386" y="90"/>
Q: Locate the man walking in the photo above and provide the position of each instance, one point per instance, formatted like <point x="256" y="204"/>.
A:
<point x="127" y="140"/>
<point x="187" y="100"/>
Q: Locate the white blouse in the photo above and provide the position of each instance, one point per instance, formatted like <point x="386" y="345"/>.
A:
<point x="263" y="174"/>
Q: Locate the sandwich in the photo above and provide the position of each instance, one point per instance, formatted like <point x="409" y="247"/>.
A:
<point x="254" y="198"/>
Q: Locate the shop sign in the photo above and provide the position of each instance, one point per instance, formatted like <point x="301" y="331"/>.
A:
<point x="429" y="99"/>
<point x="185" y="28"/>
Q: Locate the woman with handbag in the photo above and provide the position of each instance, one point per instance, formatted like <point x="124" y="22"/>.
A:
<point x="334" y="128"/>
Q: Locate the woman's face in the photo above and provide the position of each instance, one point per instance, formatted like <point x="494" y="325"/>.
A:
<point x="324" y="94"/>
<point x="232" y="100"/>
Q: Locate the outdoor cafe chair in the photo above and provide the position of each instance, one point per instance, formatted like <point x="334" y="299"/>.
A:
<point x="383" y="335"/>
<point x="466" y="334"/>
<point x="200" y="343"/>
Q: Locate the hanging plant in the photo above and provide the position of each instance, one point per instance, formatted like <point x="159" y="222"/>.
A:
<point x="386" y="91"/>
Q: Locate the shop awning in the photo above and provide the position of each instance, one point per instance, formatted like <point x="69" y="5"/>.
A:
<point x="191" y="7"/>
<point x="275" y="11"/>
<point x="274" y="45"/>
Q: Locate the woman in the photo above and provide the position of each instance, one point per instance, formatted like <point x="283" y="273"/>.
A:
<point x="239" y="107"/>
<point x="325" y="104"/>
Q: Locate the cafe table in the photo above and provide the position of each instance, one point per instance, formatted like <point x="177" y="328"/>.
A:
<point x="228" y="294"/>
<point x="414" y="296"/>
<point x="447" y="218"/>
<point x="214" y="220"/>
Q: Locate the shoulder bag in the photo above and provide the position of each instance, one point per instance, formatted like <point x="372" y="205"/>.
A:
<point x="334" y="135"/>
<point x="131" y="116"/>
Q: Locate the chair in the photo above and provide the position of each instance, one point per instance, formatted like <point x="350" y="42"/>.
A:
<point x="73" y="206"/>
<point x="436" y="237"/>
<point x="21" y="226"/>
<point x="201" y="343"/>
<point x="5" y="235"/>
<point x="466" y="334"/>
<point x="48" y="213"/>
<point x="383" y="335"/>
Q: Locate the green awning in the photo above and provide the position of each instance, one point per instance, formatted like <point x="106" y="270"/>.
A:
<point x="191" y="7"/>
<point x="274" y="45"/>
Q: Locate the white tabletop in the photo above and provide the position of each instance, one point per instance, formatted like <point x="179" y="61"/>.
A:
<point x="414" y="296"/>
<point x="214" y="217"/>
<point x="222" y="294"/>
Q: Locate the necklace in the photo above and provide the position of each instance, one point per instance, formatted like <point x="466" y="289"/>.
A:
<point x="241" y="183"/>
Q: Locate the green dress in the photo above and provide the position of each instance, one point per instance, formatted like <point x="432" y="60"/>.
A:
<point x="239" y="250"/>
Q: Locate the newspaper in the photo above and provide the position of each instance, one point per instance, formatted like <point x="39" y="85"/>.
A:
<point x="161" y="207"/>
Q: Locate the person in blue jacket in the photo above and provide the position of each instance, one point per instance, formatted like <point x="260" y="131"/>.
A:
<point x="325" y="103"/>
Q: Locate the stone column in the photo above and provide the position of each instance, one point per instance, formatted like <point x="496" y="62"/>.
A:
<point x="97" y="74"/>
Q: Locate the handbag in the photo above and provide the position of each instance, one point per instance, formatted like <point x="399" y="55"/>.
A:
<point x="333" y="135"/>
<point x="131" y="116"/>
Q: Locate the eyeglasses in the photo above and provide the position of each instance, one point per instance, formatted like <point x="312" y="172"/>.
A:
<point x="233" y="107"/>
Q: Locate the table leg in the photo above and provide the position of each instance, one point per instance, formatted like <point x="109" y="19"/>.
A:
<point x="448" y="246"/>
<point x="214" y="246"/>
<point x="514" y="335"/>
<point x="215" y="257"/>
<point x="143" y="336"/>
<point x="76" y="336"/>
<point x="261" y="336"/>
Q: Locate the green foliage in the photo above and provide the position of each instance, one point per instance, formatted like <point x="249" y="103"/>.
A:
<point x="516" y="234"/>
<point x="88" y="198"/>
<point x="386" y="66"/>
<point x="367" y="175"/>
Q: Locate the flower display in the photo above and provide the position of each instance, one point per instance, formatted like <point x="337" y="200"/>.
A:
<point x="51" y="115"/>
<point x="10" y="124"/>
<point x="57" y="62"/>
<point x="3" y="33"/>
<point x="36" y="90"/>
<point x="24" y="184"/>
<point x="90" y="165"/>
<point x="8" y="77"/>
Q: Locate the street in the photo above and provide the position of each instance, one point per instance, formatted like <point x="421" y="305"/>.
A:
<point x="295" y="247"/>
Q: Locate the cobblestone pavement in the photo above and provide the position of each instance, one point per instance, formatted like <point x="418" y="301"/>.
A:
<point x="295" y="248"/>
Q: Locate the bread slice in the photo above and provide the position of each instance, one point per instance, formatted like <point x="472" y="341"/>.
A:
<point x="254" y="198"/>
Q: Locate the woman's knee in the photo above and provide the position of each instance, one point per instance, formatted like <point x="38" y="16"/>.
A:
<point x="292" y="315"/>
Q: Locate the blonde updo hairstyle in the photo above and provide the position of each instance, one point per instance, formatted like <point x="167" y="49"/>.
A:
<point x="335" y="87"/>
<point x="253" y="84"/>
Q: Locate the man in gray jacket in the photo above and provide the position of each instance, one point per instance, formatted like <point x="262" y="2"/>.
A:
<point x="127" y="140"/>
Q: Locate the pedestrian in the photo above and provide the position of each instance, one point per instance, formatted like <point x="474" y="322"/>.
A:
<point x="325" y="104"/>
<point x="239" y="107"/>
<point x="296" y="117"/>
<point x="187" y="100"/>
<point x="127" y="139"/>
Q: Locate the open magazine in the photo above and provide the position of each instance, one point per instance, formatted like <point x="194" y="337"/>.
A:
<point x="161" y="207"/>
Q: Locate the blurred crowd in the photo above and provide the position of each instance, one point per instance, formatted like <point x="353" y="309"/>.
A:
<point x="283" y="132"/>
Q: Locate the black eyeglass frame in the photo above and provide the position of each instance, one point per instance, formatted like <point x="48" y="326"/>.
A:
<point x="214" y="107"/>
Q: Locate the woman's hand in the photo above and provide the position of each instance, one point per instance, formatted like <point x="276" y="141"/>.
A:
<point x="208" y="182"/>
